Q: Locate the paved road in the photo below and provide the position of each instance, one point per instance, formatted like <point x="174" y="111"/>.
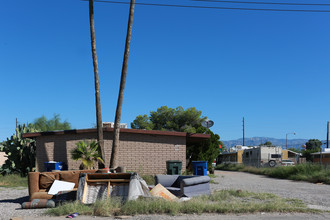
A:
<point x="315" y="195"/>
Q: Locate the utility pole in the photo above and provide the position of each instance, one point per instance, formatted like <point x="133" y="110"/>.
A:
<point x="328" y="134"/>
<point x="243" y="132"/>
<point x="16" y="127"/>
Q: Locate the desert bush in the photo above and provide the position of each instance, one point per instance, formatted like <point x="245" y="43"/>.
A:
<point x="20" y="152"/>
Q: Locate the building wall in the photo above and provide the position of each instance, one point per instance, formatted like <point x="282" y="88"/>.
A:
<point x="240" y="156"/>
<point x="325" y="159"/>
<point x="285" y="155"/>
<point x="142" y="153"/>
<point x="2" y="158"/>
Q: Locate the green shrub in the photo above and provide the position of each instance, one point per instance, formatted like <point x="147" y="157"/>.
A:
<point x="20" y="152"/>
<point x="229" y="167"/>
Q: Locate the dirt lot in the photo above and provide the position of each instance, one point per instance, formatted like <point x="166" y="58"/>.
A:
<point x="315" y="195"/>
<point x="311" y="194"/>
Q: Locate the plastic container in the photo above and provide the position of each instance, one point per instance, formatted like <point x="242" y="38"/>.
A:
<point x="200" y="168"/>
<point x="174" y="167"/>
<point x="53" y="165"/>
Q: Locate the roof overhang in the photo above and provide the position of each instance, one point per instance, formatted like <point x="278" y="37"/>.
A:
<point x="190" y="138"/>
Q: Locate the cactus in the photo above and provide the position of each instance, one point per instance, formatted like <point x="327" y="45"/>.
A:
<point x="20" y="152"/>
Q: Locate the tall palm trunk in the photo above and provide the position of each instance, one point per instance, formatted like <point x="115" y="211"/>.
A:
<point x="96" y="80"/>
<point x="115" y="145"/>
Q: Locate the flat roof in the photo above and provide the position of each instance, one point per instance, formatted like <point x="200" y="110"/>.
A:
<point x="320" y="153"/>
<point x="190" y="137"/>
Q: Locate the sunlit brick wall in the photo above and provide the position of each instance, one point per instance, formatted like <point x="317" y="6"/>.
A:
<point x="142" y="153"/>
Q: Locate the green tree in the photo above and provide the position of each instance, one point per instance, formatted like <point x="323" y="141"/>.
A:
<point x="206" y="150"/>
<point x="178" y="119"/>
<point x="88" y="153"/>
<point x="20" y="152"/>
<point x="267" y="143"/>
<point x="169" y="119"/>
<point x="53" y="124"/>
<point x="312" y="146"/>
<point x="142" y="122"/>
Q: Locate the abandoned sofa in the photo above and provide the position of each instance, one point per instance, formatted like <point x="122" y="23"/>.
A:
<point x="40" y="182"/>
<point x="185" y="186"/>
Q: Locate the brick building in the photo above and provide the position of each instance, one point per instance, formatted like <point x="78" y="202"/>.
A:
<point x="143" y="151"/>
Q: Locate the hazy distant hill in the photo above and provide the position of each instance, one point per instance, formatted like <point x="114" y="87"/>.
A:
<point x="255" y="141"/>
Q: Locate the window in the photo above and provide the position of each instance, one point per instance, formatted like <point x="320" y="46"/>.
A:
<point x="275" y="155"/>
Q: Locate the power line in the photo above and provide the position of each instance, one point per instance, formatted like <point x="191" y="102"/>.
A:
<point x="213" y="7"/>
<point x="264" y="3"/>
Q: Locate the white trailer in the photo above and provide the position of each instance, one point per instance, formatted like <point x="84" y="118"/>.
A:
<point x="262" y="156"/>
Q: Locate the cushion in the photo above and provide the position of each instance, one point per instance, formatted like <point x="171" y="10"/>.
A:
<point x="46" y="180"/>
<point x="196" y="180"/>
<point x="179" y="180"/>
<point x="40" y="195"/>
<point x="38" y="203"/>
<point x="70" y="176"/>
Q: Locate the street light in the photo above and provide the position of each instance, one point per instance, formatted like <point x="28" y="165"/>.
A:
<point x="286" y="140"/>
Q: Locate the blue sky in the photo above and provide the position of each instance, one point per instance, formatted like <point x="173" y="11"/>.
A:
<point x="270" y="67"/>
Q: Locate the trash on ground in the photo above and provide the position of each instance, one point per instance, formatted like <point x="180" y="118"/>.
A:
<point x="73" y="215"/>
<point x="161" y="191"/>
<point x="59" y="185"/>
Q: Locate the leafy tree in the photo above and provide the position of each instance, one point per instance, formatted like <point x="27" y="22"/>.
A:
<point x="53" y="124"/>
<point x="178" y="119"/>
<point x="142" y="122"/>
<point x="20" y="152"/>
<point x="169" y="119"/>
<point x="206" y="150"/>
<point x="314" y="145"/>
<point x="88" y="153"/>
<point x="267" y="143"/>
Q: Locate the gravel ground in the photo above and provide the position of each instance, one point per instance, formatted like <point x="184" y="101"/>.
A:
<point x="314" y="195"/>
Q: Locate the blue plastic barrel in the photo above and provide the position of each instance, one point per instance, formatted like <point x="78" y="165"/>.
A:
<point x="53" y="165"/>
<point x="200" y="168"/>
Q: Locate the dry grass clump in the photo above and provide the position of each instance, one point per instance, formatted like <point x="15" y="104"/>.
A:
<point x="13" y="180"/>
<point x="301" y="172"/>
<point x="223" y="201"/>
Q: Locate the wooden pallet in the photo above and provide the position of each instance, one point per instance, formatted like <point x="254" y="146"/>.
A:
<point x="99" y="185"/>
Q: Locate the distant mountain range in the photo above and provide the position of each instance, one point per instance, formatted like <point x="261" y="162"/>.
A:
<point x="255" y="141"/>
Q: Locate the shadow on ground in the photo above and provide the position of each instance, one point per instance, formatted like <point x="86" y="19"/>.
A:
<point x="17" y="200"/>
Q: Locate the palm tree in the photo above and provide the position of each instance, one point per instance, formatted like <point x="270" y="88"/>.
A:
<point x="96" y="80"/>
<point x="116" y="131"/>
<point x="88" y="153"/>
